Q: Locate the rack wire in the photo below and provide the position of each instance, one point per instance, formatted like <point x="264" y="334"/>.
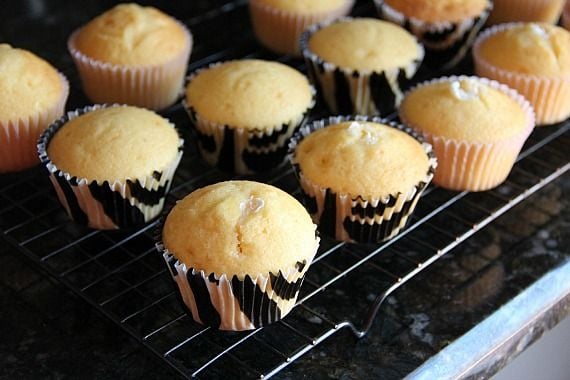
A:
<point x="121" y="275"/>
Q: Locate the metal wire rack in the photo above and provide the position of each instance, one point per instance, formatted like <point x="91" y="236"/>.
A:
<point x="121" y="275"/>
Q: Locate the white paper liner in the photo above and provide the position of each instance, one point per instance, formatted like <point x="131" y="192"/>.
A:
<point x="18" y="138"/>
<point x="78" y="199"/>
<point x="549" y="96"/>
<point x="395" y="208"/>
<point x="242" y="136"/>
<point x="474" y="166"/>
<point x="221" y="295"/>
<point x="151" y="86"/>
<point x="525" y="10"/>
<point x="359" y="82"/>
<point x="280" y="30"/>
<point x="456" y="33"/>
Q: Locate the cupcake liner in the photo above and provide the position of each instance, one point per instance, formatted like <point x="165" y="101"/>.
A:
<point x="241" y="150"/>
<point x="102" y="204"/>
<point x="474" y="166"/>
<point x="280" y="30"/>
<point x="352" y="217"/>
<point x="549" y="96"/>
<point x="18" y="138"/>
<point x="235" y="302"/>
<point x="527" y="11"/>
<point x="349" y="91"/>
<point x="152" y="86"/>
<point x="446" y="43"/>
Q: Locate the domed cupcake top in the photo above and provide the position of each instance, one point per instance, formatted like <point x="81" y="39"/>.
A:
<point x="129" y="34"/>
<point x="28" y="84"/>
<point x="240" y="227"/>
<point x="363" y="158"/>
<point x="365" y="44"/>
<point x="528" y="48"/>
<point x="251" y="94"/>
<point x="440" y="10"/>
<point x="466" y="108"/>
<point x="115" y="143"/>
<point x="303" y="6"/>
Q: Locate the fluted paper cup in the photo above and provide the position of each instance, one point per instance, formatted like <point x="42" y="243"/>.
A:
<point x="103" y="204"/>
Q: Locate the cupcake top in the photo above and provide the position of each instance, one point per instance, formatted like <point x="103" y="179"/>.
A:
<point x="115" y="143"/>
<point x="363" y="158"/>
<point x="29" y="84"/>
<point x="250" y="94"/>
<point x="464" y="109"/>
<point x="365" y="45"/>
<point x="239" y="228"/>
<point x="528" y="48"/>
<point x="132" y="35"/>
<point x="303" y="6"/>
<point x="440" y="10"/>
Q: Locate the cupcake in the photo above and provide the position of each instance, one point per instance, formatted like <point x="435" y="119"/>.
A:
<point x="33" y="95"/>
<point x="361" y="178"/>
<point x="111" y="166"/>
<point x="526" y="10"/>
<point x="533" y="59"/>
<point x="278" y="24"/>
<point x="361" y="66"/>
<point x="446" y="28"/>
<point x="245" y="111"/>
<point x="476" y="126"/>
<point x="132" y="55"/>
<point x="566" y="16"/>
<point x="238" y="252"/>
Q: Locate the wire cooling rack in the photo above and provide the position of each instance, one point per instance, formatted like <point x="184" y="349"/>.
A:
<point x="122" y="276"/>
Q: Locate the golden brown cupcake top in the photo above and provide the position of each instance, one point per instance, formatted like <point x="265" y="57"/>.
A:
<point x="303" y="6"/>
<point x="362" y="158"/>
<point x="132" y="35"/>
<point x="464" y="110"/>
<point x="250" y="94"/>
<point x="28" y="84"/>
<point x="439" y="10"/>
<point x="365" y="44"/>
<point x="529" y="48"/>
<point x="239" y="228"/>
<point x="115" y="143"/>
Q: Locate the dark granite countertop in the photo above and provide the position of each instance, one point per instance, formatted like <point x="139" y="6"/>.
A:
<point x="465" y="316"/>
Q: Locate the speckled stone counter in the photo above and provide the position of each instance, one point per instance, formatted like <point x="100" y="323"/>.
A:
<point x="465" y="316"/>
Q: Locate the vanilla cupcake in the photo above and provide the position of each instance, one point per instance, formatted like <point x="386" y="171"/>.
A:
<point x="476" y="126"/>
<point x="533" y="59"/>
<point x="361" y="65"/>
<point x="132" y="55"/>
<point x="245" y="111"/>
<point x="526" y="10"/>
<point x="446" y="28"/>
<point x="238" y="252"/>
<point x="278" y="24"/>
<point x="111" y="166"/>
<point x="360" y="178"/>
<point x="33" y="95"/>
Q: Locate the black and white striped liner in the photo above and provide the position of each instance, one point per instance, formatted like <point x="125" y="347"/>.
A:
<point x="103" y="204"/>
<point x="232" y="302"/>
<point x="349" y="91"/>
<point x="446" y="43"/>
<point x="240" y="150"/>
<point x="352" y="217"/>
